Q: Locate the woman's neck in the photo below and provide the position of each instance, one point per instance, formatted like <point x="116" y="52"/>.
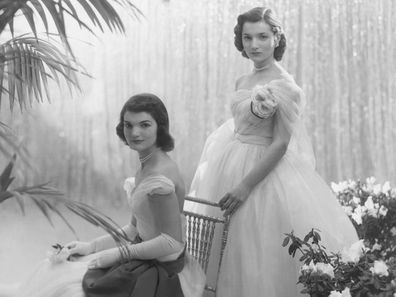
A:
<point x="148" y="157"/>
<point x="263" y="66"/>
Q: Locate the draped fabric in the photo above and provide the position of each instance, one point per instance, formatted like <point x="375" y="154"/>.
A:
<point x="137" y="278"/>
<point x="292" y="197"/>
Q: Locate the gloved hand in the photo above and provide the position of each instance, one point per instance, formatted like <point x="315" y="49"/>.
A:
<point x="105" y="259"/>
<point x="80" y="248"/>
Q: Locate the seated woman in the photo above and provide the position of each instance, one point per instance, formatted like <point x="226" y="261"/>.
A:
<point x="156" y="264"/>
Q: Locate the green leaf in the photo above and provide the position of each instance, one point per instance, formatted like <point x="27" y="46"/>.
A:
<point x="19" y="199"/>
<point x="39" y="8"/>
<point x="286" y="241"/>
<point x="28" y="12"/>
<point x="27" y="60"/>
<point x="5" y="177"/>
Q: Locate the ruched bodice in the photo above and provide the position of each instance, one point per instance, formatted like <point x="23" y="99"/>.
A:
<point x="138" y="196"/>
<point x="249" y="127"/>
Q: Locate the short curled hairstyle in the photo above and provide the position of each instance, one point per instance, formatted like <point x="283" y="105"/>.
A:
<point x="155" y="107"/>
<point x="258" y="14"/>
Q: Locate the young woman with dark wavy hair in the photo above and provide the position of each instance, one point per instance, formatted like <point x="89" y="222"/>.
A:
<point x="260" y="167"/>
<point x="153" y="262"/>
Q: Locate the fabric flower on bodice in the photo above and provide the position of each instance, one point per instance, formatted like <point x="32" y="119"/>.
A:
<point x="129" y="185"/>
<point x="263" y="104"/>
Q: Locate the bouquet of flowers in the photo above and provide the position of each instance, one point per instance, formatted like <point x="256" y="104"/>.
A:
<point x="372" y="209"/>
<point x="355" y="271"/>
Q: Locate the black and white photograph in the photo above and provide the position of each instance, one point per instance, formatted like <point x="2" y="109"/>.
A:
<point x="197" y="148"/>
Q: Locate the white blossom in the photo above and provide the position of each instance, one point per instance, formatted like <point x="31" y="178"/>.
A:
<point x="351" y="184"/>
<point x="348" y="210"/>
<point x="354" y="252"/>
<point x="386" y="187"/>
<point x="370" y="180"/>
<point x="393" y="193"/>
<point x="383" y="211"/>
<point x="393" y="231"/>
<point x="325" y="269"/>
<point x="58" y="256"/>
<point x="377" y="189"/>
<point x="345" y="293"/>
<point x="376" y="247"/>
<point x="356" y="199"/>
<point x="335" y="294"/>
<point x="369" y="204"/>
<point x="380" y="268"/>
<point x="340" y="187"/>
<point x="320" y="268"/>
<point x="358" y="213"/>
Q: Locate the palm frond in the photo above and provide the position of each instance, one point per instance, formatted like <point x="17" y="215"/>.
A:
<point x="104" y="222"/>
<point x="5" y="177"/>
<point x="10" y="145"/>
<point x="47" y="199"/>
<point x="28" y="63"/>
<point x="98" y="219"/>
<point x="101" y="13"/>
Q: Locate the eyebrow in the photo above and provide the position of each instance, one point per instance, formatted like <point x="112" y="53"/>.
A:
<point x="144" y="121"/>
<point x="261" y="33"/>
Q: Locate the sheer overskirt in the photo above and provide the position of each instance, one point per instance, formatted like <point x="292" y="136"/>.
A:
<point x="292" y="197"/>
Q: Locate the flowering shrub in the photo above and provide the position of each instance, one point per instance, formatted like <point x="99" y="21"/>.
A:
<point x="372" y="209"/>
<point x="355" y="271"/>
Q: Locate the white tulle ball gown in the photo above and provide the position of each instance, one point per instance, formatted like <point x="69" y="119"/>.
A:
<point x="291" y="197"/>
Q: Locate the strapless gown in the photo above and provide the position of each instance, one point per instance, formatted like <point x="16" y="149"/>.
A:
<point x="65" y="279"/>
<point x="292" y="197"/>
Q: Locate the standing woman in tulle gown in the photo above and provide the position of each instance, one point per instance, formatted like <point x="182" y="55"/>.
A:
<point x="260" y="167"/>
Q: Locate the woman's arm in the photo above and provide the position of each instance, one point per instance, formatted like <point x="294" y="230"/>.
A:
<point x="275" y="151"/>
<point x="165" y="210"/>
<point x="107" y="241"/>
<point x="101" y="243"/>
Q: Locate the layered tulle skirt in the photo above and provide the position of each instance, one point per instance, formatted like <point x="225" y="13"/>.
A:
<point x="65" y="279"/>
<point x="293" y="197"/>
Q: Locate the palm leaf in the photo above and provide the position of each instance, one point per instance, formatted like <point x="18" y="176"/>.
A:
<point x="9" y="145"/>
<point x="5" y="177"/>
<point x="28" y="12"/>
<point x="9" y="9"/>
<point x="102" y="221"/>
<point x="57" y="9"/>
<point x="39" y="9"/>
<point x="45" y="197"/>
<point x="28" y="62"/>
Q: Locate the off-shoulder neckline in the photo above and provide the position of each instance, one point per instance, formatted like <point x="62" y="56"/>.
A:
<point x="152" y="176"/>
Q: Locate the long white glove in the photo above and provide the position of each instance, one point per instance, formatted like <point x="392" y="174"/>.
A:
<point x="106" y="241"/>
<point x="101" y="243"/>
<point x="162" y="245"/>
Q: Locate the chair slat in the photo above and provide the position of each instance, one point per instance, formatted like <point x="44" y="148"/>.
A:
<point x="200" y="233"/>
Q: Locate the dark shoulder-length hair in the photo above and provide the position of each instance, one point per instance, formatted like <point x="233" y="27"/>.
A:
<point x="258" y="14"/>
<point x="155" y="107"/>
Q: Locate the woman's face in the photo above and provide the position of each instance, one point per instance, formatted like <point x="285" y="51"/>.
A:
<point x="258" y="41"/>
<point x="140" y="130"/>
